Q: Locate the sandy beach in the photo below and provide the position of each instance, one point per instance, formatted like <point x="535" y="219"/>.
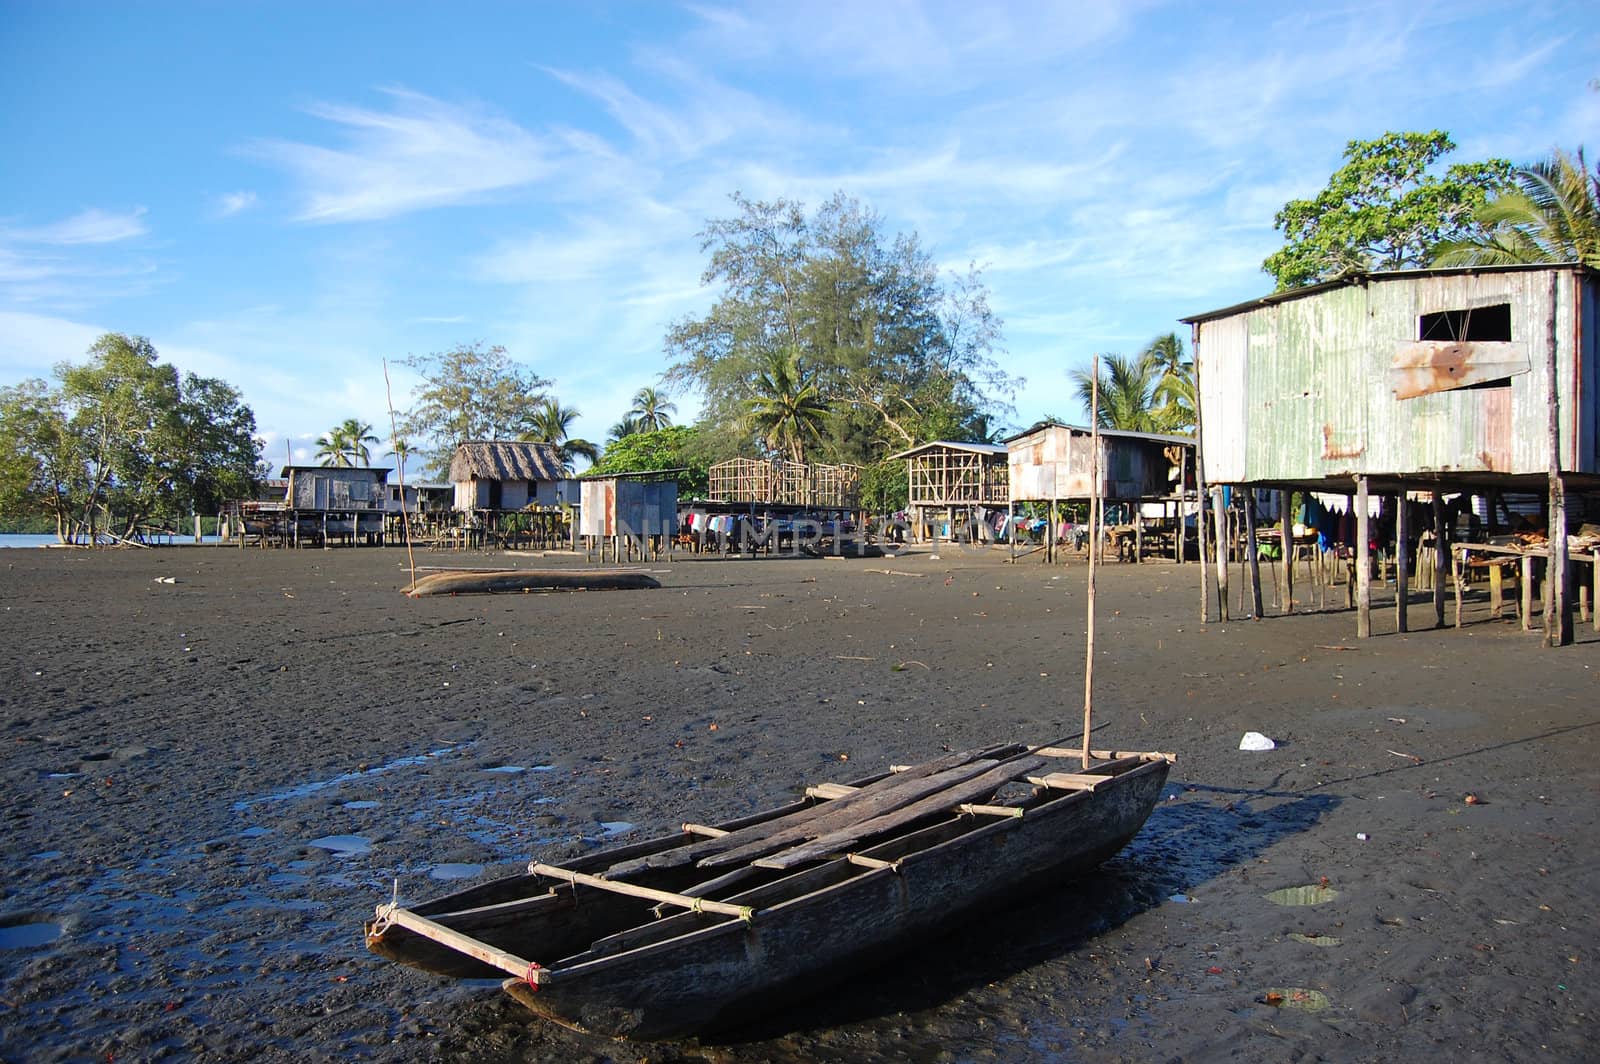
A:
<point x="216" y="762"/>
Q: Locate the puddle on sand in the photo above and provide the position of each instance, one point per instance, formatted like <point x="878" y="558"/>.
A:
<point x="455" y="871"/>
<point x="305" y="790"/>
<point x="46" y="855"/>
<point x="343" y="845"/>
<point x="254" y="833"/>
<point x="29" y="936"/>
<point x="365" y="803"/>
<point x="610" y="829"/>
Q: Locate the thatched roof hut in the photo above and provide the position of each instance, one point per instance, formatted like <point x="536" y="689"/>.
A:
<point x="505" y="460"/>
<point x="504" y="474"/>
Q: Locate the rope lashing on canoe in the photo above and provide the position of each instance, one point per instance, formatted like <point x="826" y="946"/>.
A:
<point x="384" y="917"/>
<point x="532" y="978"/>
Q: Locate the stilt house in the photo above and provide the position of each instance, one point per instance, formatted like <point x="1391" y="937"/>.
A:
<point x="1470" y="380"/>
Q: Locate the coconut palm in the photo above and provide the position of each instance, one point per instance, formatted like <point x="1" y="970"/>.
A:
<point x="552" y="424"/>
<point x="786" y="408"/>
<point x="1129" y="387"/>
<point x="346" y="444"/>
<point x="652" y="410"/>
<point x="1175" y="390"/>
<point x="622" y="429"/>
<point x="1552" y="215"/>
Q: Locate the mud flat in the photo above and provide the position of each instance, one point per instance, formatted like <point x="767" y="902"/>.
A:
<point x="216" y="761"/>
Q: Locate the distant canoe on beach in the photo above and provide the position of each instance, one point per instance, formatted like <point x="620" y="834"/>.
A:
<point x="504" y="581"/>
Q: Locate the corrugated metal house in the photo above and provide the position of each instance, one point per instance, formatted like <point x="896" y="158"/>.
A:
<point x="623" y="506"/>
<point x="1051" y="461"/>
<point x="324" y="502"/>
<point x="1465" y="380"/>
<point x="1433" y="375"/>
<point x="502" y="475"/>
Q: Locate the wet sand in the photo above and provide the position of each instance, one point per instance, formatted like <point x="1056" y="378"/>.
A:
<point x="210" y="782"/>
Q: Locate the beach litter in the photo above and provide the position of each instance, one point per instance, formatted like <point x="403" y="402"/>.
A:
<point x="1294" y="997"/>
<point x="1310" y="894"/>
<point x="1254" y="740"/>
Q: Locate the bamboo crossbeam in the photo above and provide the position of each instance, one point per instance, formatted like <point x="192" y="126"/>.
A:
<point x="634" y="890"/>
<point x="496" y="958"/>
<point x="1104" y="755"/>
<point x="1069" y="781"/>
<point x="1015" y="811"/>
<point x="704" y="829"/>
<point x="871" y="862"/>
<point x="831" y="790"/>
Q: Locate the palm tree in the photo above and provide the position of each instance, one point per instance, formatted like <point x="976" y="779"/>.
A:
<point x="1128" y="391"/>
<point x="346" y="444"/>
<point x="787" y="409"/>
<point x="622" y="430"/>
<point x="651" y="410"/>
<point x="1553" y="215"/>
<point x="1176" y="387"/>
<point x="552" y="424"/>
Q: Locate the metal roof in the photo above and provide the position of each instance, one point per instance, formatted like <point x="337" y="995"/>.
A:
<point x="1154" y="437"/>
<point x="990" y="449"/>
<point x="1364" y="278"/>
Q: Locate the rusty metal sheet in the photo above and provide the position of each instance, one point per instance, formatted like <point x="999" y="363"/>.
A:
<point x="1427" y="366"/>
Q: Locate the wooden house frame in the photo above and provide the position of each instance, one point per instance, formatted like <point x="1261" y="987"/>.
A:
<point x="951" y="477"/>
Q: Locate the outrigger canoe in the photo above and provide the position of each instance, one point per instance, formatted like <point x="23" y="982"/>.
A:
<point x="679" y="935"/>
<point x="504" y="581"/>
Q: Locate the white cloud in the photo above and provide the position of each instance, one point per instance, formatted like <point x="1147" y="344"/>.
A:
<point x="31" y="344"/>
<point x="90" y="226"/>
<point x="421" y="153"/>
<point x="235" y="202"/>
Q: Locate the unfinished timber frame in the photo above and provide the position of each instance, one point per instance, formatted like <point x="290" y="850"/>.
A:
<point x="953" y="478"/>
<point x="782" y="483"/>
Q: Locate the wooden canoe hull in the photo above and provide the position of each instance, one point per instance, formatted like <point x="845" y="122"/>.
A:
<point x="508" y="581"/>
<point x="832" y="918"/>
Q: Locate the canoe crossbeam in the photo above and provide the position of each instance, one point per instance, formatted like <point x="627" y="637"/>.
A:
<point x="390" y="914"/>
<point x="667" y="897"/>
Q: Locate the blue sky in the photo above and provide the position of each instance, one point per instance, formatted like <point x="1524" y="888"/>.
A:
<point x="284" y="194"/>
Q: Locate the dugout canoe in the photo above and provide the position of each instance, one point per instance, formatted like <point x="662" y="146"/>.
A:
<point x="507" y="581"/>
<point x="687" y="933"/>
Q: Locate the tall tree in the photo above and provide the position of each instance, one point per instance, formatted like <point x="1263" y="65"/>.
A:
<point x="1551" y="215"/>
<point x="469" y="393"/>
<point x="786" y="411"/>
<point x="123" y="439"/>
<point x="552" y="424"/>
<point x="652" y="410"/>
<point x="895" y="351"/>
<point x="1384" y="209"/>
<point x="622" y="430"/>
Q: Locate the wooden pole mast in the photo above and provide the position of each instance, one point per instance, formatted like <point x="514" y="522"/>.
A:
<point x="1094" y="551"/>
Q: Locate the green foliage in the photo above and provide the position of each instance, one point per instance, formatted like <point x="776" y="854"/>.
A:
<point x="120" y="441"/>
<point x="469" y="393"/>
<point x="668" y="448"/>
<point x="883" y="486"/>
<point x="1551" y="215"/>
<point x="892" y="352"/>
<point x="1383" y="210"/>
<point x="1152" y="391"/>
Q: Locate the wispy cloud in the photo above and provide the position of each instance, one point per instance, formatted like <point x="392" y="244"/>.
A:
<point x="418" y="154"/>
<point x="235" y="202"/>
<point x="90" y="226"/>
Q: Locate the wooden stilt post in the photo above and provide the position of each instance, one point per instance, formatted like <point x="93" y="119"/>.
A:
<point x="1286" y="523"/>
<point x="1402" y="562"/>
<point x="1183" y="479"/>
<point x="1557" y="602"/>
<point x="1440" y="553"/>
<point x="1221" y="514"/>
<point x="1251" y="549"/>
<point x="1363" y="564"/>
